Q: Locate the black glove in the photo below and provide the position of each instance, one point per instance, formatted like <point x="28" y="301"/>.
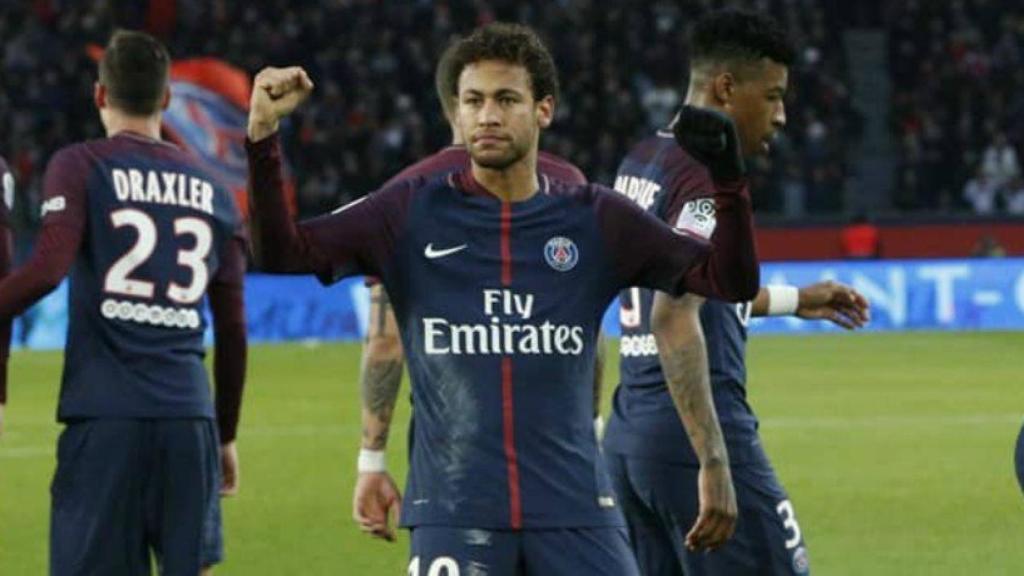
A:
<point x="710" y="137"/>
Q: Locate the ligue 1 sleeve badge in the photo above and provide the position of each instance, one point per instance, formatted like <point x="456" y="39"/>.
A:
<point x="561" y="253"/>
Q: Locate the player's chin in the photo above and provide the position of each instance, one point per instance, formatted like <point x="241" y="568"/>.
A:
<point x="494" y="159"/>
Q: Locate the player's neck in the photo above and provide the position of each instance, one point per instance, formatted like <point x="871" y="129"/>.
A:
<point x="148" y="126"/>
<point x="515" y="183"/>
<point x="699" y="99"/>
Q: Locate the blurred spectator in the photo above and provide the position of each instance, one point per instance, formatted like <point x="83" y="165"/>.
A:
<point x="980" y="192"/>
<point x="999" y="161"/>
<point x="1013" y="196"/>
<point x="988" y="247"/>
<point x="958" y="95"/>
<point x="622" y="65"/>
<point x="860" y="239"/>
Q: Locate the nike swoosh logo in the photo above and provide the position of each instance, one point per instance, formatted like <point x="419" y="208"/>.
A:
<point x="432" y="253"/>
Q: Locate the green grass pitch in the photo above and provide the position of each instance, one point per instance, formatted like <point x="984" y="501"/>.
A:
<point x="897" y="451"/>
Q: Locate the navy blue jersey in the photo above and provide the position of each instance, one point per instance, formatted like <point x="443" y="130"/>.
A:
<point x="499" y="305"/>
<point x="668" y="183"/>
<point x="153" y="229"/>
<point x="455" y="158"/>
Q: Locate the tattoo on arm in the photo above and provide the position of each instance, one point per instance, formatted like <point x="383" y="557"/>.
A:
<point x="684" y="361"/>
<point x="380" y="383"/>
<point x="381" y="372"/>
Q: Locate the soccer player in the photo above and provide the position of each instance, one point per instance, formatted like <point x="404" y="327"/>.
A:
<point x="670" y="479"/>
<point x="146" y="234"/>
<point x="499" y="280"/>
<point x="6" y="257"/>
<point x="376" y="496"/>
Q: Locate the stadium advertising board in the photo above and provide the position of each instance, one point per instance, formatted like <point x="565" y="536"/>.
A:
<point x="904" y="295"/>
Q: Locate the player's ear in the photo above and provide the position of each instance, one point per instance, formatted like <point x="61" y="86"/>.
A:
<point x="723" y="86"/>
<point x="545" y="111"/>
<point x="99" y="95"/>
<point x="167" y="98"/>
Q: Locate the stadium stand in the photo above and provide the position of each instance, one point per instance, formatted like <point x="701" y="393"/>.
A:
<point x="622" y="73"/>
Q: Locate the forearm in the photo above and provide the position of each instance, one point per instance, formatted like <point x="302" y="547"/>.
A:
<point x="776" y="300"/>
<point x="759" y="307"/>
<point x="229" y="367"/>
<point x="380" y="380"/>
<point x="683" y="355"/>
<point x="380" y="373"/>
<point x="278" y="244"/>
<point x="732" y="271"/>
<point x="230" y="352"/>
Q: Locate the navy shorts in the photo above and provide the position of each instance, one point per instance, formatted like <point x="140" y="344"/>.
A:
<point x="660" y="501"/>
<point x="127" y="488"/>
<point x="1019" y="458"/>
<point x="444" y="551"/>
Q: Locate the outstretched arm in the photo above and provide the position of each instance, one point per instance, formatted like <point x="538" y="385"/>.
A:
<point x="675" y="323"/>
<point x="827" y="300"/>
<point x="355" y="238"/>
<point x="376" y="496"/>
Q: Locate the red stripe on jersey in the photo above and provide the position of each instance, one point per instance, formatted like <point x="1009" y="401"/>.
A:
<point x="506" y="243"/>
<point x="507" y="410"/>
<point x="511" y="459"/>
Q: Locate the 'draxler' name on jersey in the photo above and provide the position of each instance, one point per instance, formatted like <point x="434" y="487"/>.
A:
<point x="168" y="188"/>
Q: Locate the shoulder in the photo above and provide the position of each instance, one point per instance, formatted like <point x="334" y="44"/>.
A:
<point x="558" y="168"/>
<point x="657" y="166"/>
<point x="72" y="158"/>
<point x="596" y="196"/>
<point x="443" y="162"/>
<point x="392" y="196"/>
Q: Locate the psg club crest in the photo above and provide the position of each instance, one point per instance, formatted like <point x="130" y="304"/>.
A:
<point x="561" y="253"/>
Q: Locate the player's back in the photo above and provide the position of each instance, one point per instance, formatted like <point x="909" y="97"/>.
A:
<point x="665" y="181"/>
<point x="155" y="228"/>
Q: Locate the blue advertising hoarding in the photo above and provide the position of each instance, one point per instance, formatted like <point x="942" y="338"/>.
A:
<point x="904" y="295"/>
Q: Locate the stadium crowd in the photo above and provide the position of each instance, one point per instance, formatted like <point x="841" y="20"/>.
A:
<point x="958" y="103"/>
<point x="622" y="74"/>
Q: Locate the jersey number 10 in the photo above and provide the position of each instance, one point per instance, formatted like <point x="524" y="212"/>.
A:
<point x="119" y="280"/>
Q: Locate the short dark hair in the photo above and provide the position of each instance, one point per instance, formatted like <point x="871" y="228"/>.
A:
<point x="444" y="79"/>
<point x="512" y="43"/>
<point x="738" y="37"/>
<point x="134" y="69"/>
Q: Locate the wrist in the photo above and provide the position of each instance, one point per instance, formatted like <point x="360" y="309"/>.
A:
<point x="783" y="300"/>
<point x="371" y="461"/>
<point x="260" y="129"/>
